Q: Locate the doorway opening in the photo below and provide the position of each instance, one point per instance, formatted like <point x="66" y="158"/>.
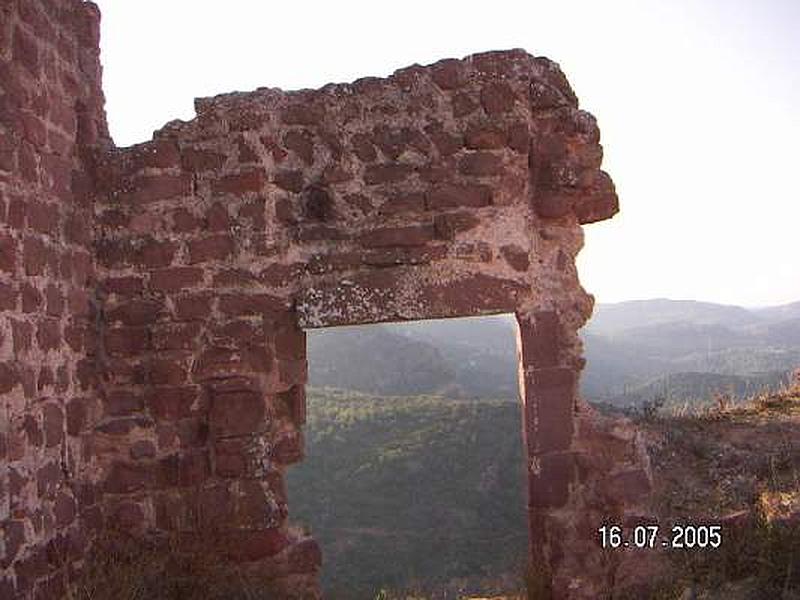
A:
<point x="414" y="477"/>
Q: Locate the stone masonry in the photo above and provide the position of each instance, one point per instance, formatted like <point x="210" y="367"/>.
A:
<point x="153" y="299"/>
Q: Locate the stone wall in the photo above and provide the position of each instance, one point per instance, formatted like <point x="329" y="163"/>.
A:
<point x="51" y="114"/>
<point x="155" y="297"/>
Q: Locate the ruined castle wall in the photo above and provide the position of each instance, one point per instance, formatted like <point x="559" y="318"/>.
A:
<point x="451" y="190"/>
<point x="51" y="113"/>
<point x="154" y="298"/>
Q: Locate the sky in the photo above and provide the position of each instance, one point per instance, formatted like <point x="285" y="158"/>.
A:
<point x="696" y="100"/>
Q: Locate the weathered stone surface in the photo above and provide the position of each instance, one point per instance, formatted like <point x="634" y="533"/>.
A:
<point x="155" y="295"/>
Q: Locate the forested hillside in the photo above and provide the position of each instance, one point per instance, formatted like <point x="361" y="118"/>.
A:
<point x="635" y="350"/>
<point x="407" y="492"/>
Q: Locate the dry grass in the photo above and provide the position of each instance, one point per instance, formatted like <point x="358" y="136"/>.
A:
<point x="732" y="458"/>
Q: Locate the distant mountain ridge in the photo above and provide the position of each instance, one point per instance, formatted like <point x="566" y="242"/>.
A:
<point x="634" y="349"/>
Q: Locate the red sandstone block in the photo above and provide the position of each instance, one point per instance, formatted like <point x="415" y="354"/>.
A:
<point x="58" y="143"/>
<point x="180" y="336"/>
<point x="542" y="337"/>
<point x="62" y="115"/>
<point x="77" y="229"/>
<point x="519" y="138"/>
<point x="448" y="225"/>
<point x="290" y="342"/>
<point x="446" y="143"/>
<point x="77" y="416"/>
<point x="14" y="538"/>
<point x="183" y="470"/>
<point x="28" y="167"/>
<point x="305" y="557"/>
<point x="303" y="113"/>
<point x="386" y="173"/>
<point x="82" y="267"/>
<point x="64" y="510"/>
<point x="232" y="458"/>
<point x="8" y="297"/>
<point x="216" y="247"/>
<point x="53" y="416"/>
<point x="237" y="305"/>
<point x="485" y="137"/>
<point x="48" y="479"/>
<point x="497" y="98"/>
<point x="242" y="331"/>
<point x="237" y="413"/>
<point x="516" y="257"/>
<point x="193" y="307"/>
<point x="127" y="341"/>
<point x="288" y="448"/>
<point x="481" y="164"/>
<point x="154" y="254"/>
<point x="33" y="129"/>
<point x="254" y="211"/>
<point x="55" y="300"/>
<point x="550" y="483"/>
<point x="363" y="148"/>
<point x="34" y="256"/>
<point x="43" y="218"/>
<point x="127" y="516"/>
<point x="448" y="74"/>
<point x="403" y="203"/>
<point x="120" y="402"/>
<point x="235" y="278"/>
<point x="216" y="504"/>
<point x="124" y="286"/>
<point x="142" y="450"/>
<point x="415" y="235"/>
<point x="250" y="545"/>
<point x="197" y="159"/>
<point x="169" y="370"/>
<point x="154" y="188"/>
<point x="8" y="377"/>
<point x="295" y="400"/>
<point x="175" y="279"/>
<point x="217" y="218"/>
<point x="326" y="263"/>
<point x="136" y="312"/>
<point x="161" y="154"/>
<point x="313" y="233"/>
<point x="301" y="142"/>
<point x="291" y="181"/>
<point x="416" y="255"/>
<point x="184" y="221"/>
<point x="627" y="487"/>
<point x="48" y="334"/>
<point x="26" y="51"/>
<point x="240" y="183"/>
<point x="58" y="175"/>
<point x="78" y="301"/>
<point x="113" y="253"/>
<point x="549" y="408"/>
<point x="125" y="478"/>
<point x="8" y="253"/>
<point x="448" y="195"/>
<point x="171" y="403"/>
<point x="17" y="212"/>
<point x="463" y="105"/>
<point x="293" y="372"/>
<point x="33" y="432"/>
<point x="318" y="204"/>
<point x="22" y="332"/>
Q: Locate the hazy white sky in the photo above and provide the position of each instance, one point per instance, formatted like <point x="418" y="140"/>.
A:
<point x="697" y="102"/>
